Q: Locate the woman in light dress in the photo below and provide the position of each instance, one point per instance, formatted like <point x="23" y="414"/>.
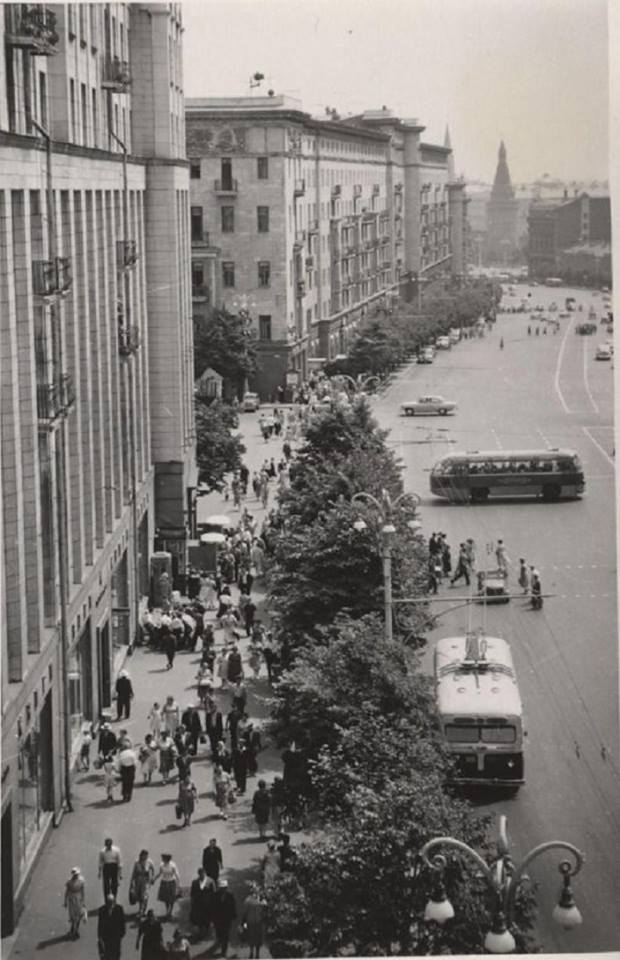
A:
<point x="222" y="785"/>
<point x="74" y="902"/>
<point x="169" y="884"/>
<point x="148" y="757"/>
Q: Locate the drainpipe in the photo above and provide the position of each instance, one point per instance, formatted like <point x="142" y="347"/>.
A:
<point x="61" y="471"/>
<point x="130" y="391"/>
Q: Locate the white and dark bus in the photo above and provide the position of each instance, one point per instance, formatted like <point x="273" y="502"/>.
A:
<point x="477" y="475"/>
<point x="480" y="711"/>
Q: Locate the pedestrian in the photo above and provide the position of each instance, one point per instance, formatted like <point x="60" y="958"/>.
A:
<point x="462" y="566"/>
<point x="228" y="623"/>
<point x="286" y="450"/>
<point x="244" y="477"/>
<point x="128" y="762"/>
<point x="502" y="558"/>
<point x="240" y="767"/>
<point x="190" y="719"/>
<point x="178" y="946"/>
<point x="75" y="892"/>
<point x="433" y="546"/>
<point x="212" y="860"/>
<point x="107" y="740"/>
<point x="224" y="913"/>
<point x="85" y="744"/>
<point x="108" y="768"/>
<point x="124" y="695"/>
<point x="278" y="799"/>
<point x="201" y="896"/>
<point x="169" y="884"/>
<point x="524" y="579"/>
<point x="249" y="614"/>
<point x="264" y="492"/>
<point x="110" y="929"/>
<point x="253" y="919"/>
<point x="171" y="715"/>
<point x="235" y="487"/>
<point x="254" y="663"/>
<point x="147" y="755"/>
<point x="151" y="934"/>
<point x="110" y="867"/>
<point x="232" y="724"/>
<point x="222" y="788"/>
<point x="270" y="864"/>
<point x="235" y="665"/>
<point x="187" y="799"/>
<point x="261" y="808"/>
<point x="446" y="559"/>
<point x="253" y="746"/>
<point x="142" y="877"/>
<point x="286" y="853"/>
<point x="167" y="755"/>
<point x="256" y="485"/>
<point x="470" y="550"/>
<point x="169" y="646"/>
<point x="535" y="589"/>
<point x="268" y="655"/>
<point x="156" y="721"/>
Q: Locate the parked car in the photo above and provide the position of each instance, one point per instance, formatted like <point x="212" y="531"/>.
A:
<point x="585" y="329"/>
<point x="603" y="352"/>
<point x="427" y="404"/>
<point x="443" y="343"/>
<point x="251" y="402"/>
<point x="455" y="335"/>
<point x="492" y="587"/>
<point x="427" y="355"/>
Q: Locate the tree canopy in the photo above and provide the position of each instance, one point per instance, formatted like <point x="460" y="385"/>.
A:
<point x="218" y="450"/>
<point x="221" y="341"/>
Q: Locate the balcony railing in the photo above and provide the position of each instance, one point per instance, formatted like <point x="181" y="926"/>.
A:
<point x="300" y="188"/>
<point x="128" y="339"/>
<point x="32" y="28"/>
<point x="226" y="188"/>
<point x="54" y="400"/>
<point x="126" y="254"/>
<point x="201" y="239"/>
<point x="116" y="75"/>
<point x="51" y="278"/>
<point x="200" y="291"/>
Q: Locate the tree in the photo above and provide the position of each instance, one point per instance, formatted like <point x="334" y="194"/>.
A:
<point x="221" y="341"/>
<point x="218" y="450"/>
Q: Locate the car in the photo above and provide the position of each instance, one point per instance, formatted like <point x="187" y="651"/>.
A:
<point x="251" y="402"/>
<point x="585" y="329"/>
<point x="603" y="352"/>
<point x="427" y="355"/>
<point x="564" y="316"/>
<point x="443" y="343"/>
<point x="455" y="335"/>
<point x="492" y="587"/>
<point x="428" y="404"/>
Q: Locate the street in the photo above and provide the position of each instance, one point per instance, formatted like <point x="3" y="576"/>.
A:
<point x="539" y="391"/>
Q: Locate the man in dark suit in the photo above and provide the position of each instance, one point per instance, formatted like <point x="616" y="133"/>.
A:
<point x="124" y="695"/>
<point x="212" y="861"/>
<point x="107" y="740"/>
<point x="191" y="721"/>
<point x="224" y="913"/>
<point x="201" y="895"/>
<point x="110" y="929"/>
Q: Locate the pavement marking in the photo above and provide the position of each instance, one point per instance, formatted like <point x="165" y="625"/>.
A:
<point x="597" y="444"/>
<point x="585" y="377"/>
<point x="558" y="366"/>
<point x="497" y="439"/>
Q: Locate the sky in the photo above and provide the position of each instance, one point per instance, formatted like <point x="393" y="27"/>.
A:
<point x="531" y="72"/>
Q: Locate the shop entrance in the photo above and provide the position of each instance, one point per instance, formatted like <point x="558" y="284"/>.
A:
<point x="105" y="674"/>
<point x="6" y="838"/>
<point x="46" y="756"/>
<point x="86" y="671"/>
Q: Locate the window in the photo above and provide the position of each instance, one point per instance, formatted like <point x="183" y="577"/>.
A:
<point x="198" y="275"/>
<point x="194" y="169"/>
<point x="264" y="273"/>
<point x="43" y="99"/>
<point x="95" y="119"/>
<point x="262" y="168"/>
<point x="84" y="103"/>
<point x="264" y="326"/>
<point x="262" y="218"/>
<point x="72" y="99"/>
<point x="196" y="223"/>
<point x="228" y="274"/>
<point x="226" y="169"/>
<point x="228" y="219"/>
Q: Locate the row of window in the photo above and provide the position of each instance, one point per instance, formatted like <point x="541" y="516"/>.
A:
<point x="262" y="169"/>
<point x="227" y="221"/>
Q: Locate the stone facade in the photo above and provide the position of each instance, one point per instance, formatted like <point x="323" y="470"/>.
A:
<point x="555" y="226"/>
<point x="95" y="344"/>
<point x="502" y="210"/>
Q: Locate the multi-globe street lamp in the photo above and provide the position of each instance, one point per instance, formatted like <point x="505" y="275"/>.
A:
<point x="386" y="508"/>
<point x="359" y="386"/>
<point x="503" y="877"/>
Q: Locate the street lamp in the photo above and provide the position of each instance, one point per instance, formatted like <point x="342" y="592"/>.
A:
<point x="503" y="878"/>
<point x="386" y="508"/>
<point x="359" y="385"/>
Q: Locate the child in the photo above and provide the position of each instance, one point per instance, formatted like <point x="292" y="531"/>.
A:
<point x="87" y="739"/>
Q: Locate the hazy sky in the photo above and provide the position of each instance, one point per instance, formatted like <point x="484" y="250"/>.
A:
<point x="533" y="72"/>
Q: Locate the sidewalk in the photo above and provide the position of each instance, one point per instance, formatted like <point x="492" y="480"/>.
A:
<point x="149" y="820"/>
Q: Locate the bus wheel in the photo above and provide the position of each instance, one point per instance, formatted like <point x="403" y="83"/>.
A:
<point x="479" y="495"/>
<point x="551" y="491"/>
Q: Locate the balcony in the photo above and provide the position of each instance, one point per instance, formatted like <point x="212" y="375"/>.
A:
<point x="376" y="189"/>
<point x="336" y="191"/>
<point x="309" y="263"/>
<point x="300" y="188"/>
<point x="54" y="400"/>
<point x="398" y="188"/>
<point x="300" y="238"/>
<point x="201" y="240"/>
<point x="31" y="28"/>
<point x="313" y="226"/>
<point x="116" y="75"/>
<point x="226" y="188"/>
<point x="200" y="292"/>
<point x="126" y="254"/>
<point x="128" y="340"/>
<point x="51" y="278"/>
<point x="301" y="288"/>
<point x="357" y="190"/>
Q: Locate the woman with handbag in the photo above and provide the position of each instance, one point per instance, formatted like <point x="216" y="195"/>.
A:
<point x="169" y="884"/>
<point x="252" y="929"/>
<point x="74" y="902"/>
<point x="142" y="877"/>
<point x="186" y="802"/>
<point x="222" y="787"/>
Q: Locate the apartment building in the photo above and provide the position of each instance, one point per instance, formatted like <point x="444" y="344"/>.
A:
<point x="302" y="225"/>
<point x="570" y="237"/>
<point x="97" y="439"/>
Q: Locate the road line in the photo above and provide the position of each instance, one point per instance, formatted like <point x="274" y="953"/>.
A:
<point x="585" y="377"/>
<point x="556" y="381"/>
<point x="599" y="447"/>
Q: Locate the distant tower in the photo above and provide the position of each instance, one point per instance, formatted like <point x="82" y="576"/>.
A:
<point x="501" y="244"/>
<point x="447" y="143"/>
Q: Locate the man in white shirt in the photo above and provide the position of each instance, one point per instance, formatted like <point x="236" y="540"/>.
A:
<point x="127" y="762"/>
<point x="110" y="867"/>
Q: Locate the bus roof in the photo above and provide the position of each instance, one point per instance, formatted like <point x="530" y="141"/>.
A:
<point x="548" y="453"/>
<point x="486" y="687"/>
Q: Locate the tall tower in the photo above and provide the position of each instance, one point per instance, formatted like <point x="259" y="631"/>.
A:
<point x="501" y="214"/>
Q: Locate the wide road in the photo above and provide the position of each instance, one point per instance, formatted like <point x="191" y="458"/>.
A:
<point x="538" y="392"/>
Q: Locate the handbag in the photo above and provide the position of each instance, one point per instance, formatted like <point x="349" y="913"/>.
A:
<point x="132" y="895"/>
<point x="243" y="932"/>
<point x="178" y="810"/>
<point x="83" y="914"/>
<point x="203" y="738"/>
<point x="97" y="763"/>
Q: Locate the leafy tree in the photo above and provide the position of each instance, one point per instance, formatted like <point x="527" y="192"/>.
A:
<point x="221" y="341"/>
<point x="218" y="450"/>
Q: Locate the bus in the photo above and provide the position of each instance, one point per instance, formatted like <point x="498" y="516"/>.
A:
<point x="554" y="282"/>
<point x="480" y="710"/>
<point x="477" y="475"/>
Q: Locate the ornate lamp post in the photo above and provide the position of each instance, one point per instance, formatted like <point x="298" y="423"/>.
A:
<point x="359" y="386"/>
<point x="244" y="308"/>
<point x="503" y="878"/>
<point x="386" y="507"/>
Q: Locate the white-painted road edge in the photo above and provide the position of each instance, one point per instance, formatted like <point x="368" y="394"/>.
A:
<point x="558" y="367"/>
<point x="597" y="444"/>
<point x="585" y="377"/>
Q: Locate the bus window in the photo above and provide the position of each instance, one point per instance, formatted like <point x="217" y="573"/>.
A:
<point x="498" y="734"/>
<point x="462" y="734"/>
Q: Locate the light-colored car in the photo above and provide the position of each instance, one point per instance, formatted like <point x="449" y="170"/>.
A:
<point x="427" y="355"/>
<point x="251" y="402"/>
<point x="603" y="352"/>
<point x="455" y="335"/>
<point x="443" y="343"/>
<point x="427" y="405"/>
<point x="610" y="345"/>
